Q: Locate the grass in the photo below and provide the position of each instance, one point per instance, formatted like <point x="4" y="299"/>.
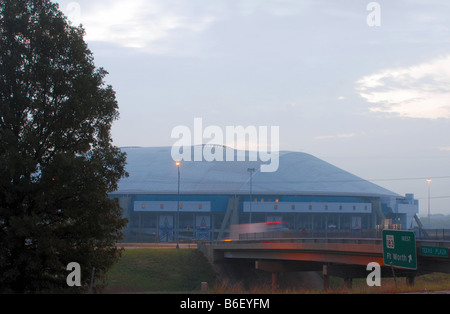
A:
<point x="160" y="271"/>
<point x="425" y="283"/>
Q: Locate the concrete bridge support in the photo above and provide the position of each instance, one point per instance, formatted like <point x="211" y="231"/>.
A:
<point x="346" y="272"/>
<point x="278" y="267"/>
<point x="275" y="284"/>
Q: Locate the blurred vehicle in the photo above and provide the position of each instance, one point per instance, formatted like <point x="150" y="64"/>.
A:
<point x="255" y="230"/>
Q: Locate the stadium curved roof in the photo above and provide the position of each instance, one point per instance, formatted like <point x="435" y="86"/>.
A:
<point x="153" y="171"/>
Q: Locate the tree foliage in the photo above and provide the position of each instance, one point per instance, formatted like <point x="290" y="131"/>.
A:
<point x="57" y="160"/>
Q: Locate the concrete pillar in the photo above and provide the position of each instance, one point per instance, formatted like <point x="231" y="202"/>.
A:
<point x="274" y="282"/>
<point x="204" y="288"/>
<point x="326" y="278"/>
<point x="410" y="280"/>
<point x="348" y="283"/>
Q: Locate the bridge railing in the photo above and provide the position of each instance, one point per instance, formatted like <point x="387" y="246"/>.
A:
<point x="421" y="234"/>
<point x="434" y="234"/>
<point x="312" y="234"/>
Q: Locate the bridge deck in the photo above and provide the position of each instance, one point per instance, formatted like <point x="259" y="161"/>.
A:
<point x="349" y="251"/>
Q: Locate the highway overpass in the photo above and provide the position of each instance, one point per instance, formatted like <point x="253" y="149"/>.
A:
<point x="342" y="257"/>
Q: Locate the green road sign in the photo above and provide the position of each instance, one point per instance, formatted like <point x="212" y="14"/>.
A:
<point x="399" y="249"/>
<point x="434" y="251"/>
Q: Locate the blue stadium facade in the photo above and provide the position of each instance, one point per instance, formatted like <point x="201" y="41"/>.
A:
<point x="306" y="193"/>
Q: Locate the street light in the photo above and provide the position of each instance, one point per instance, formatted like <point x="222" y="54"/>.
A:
<point x="178" y="164"/>
<point x="251" y="171"/>
<point x="429" y="184"/>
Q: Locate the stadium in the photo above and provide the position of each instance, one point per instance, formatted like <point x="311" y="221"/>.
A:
<point x="305" y="194"/>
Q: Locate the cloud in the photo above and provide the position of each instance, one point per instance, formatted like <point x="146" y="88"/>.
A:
<point x="419" y="91"/>
<point x="155" y="26"/>
<point x="138" y="24"/>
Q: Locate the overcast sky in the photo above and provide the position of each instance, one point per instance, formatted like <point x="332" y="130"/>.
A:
<point x="362" y="85"/>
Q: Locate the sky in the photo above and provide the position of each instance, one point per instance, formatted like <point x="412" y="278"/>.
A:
<point x="363" y="85"/>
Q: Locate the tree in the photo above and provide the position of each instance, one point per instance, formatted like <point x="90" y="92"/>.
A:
<point x="57" y="160"/>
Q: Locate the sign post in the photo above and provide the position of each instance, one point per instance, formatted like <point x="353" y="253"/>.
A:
<point x="399" y="249"/>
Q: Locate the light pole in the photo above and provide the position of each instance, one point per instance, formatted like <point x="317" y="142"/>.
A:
<point x="251" y="171"/>
<point x="429" y="184"/>
<point x="178" y="164"/>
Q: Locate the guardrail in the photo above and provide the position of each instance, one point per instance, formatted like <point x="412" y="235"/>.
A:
<point x="369" y="241"/>
<point x="421" y="234"/>
<point x="433" y="234"/>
